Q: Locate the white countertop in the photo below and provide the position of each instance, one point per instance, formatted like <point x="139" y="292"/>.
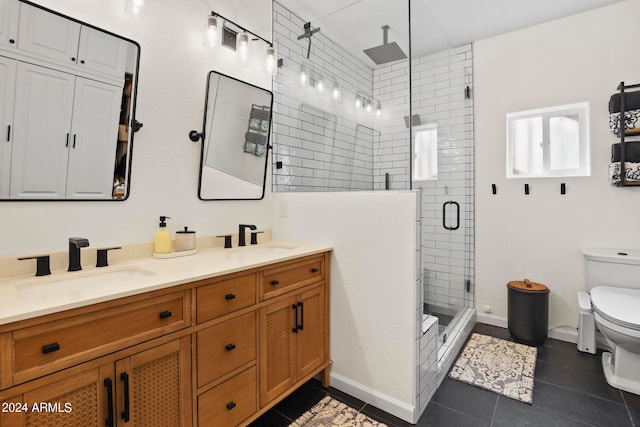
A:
<point x="26" y="297"/>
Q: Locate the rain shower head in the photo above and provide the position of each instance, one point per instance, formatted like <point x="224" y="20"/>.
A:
<point x="386" y="52"/>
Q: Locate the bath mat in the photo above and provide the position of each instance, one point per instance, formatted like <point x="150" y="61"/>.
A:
<point x="333" y="413"/>
<point x="503" y="367"/>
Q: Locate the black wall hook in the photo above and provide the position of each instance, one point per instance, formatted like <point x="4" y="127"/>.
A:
<point x="526" y="189"/>
<point x="563" y="188"/>
<point x="195" y="136"/>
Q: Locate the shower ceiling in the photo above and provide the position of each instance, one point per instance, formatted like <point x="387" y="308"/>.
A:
<point x="356" y="24"/>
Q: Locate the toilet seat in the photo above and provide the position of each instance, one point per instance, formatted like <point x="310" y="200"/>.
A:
<point x="617" y="305"/>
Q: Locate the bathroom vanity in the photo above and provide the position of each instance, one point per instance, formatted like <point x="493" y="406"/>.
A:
<point x="217" y="338"/>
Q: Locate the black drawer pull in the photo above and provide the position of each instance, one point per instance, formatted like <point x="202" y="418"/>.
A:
<point x="165" y="314"/>
<point x="50" y="348"/>
<point x="275" y="282"/>
<point x="125" y="414"/>
<point x="314" y="270"/>
<point x="109" y="385"/>
<point x="231" y="405"/>
<point x="230" y="296"/>
<point x="230" y="347"/>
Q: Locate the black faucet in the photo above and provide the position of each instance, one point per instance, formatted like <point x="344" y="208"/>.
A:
<point x="75" y="243"/>
<point x="241" y="236"/>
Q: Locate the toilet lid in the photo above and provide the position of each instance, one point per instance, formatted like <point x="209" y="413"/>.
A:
<point x="618" y="305"/>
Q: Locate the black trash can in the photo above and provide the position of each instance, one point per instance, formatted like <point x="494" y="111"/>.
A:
<point x="528" y="312"/>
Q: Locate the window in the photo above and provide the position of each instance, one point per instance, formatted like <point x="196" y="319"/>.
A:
<point x="425" y="152"/>
<point x="550" y="142"/>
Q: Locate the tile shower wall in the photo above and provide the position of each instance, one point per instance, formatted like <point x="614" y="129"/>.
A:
<point x="320" y="144"/>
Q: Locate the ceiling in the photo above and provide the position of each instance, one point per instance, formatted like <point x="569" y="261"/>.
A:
<point x="436" y="24"/>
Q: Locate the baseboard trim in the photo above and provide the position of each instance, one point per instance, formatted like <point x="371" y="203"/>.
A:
<point x="388" y="404"/>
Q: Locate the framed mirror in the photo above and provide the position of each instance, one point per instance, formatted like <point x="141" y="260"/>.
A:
<point x="67" y="107"/>
<point x="235" y="139"/>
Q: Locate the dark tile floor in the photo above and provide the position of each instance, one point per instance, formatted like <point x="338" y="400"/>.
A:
<point x="569" y="390"/>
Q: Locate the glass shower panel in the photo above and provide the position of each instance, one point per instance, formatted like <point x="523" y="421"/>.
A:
<point x="340" y="100"/>
<point x="441" y="98"/>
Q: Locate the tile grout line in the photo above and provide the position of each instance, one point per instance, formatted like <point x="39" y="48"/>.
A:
<point x="627" y="408"/>
<point x="495" y="408"/>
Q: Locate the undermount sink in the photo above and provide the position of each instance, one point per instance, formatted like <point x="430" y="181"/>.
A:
<point x="75" y="282"/>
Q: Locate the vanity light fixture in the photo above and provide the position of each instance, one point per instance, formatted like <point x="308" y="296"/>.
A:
<point x="238" y="40"/>
<point x="242" y="47"/>
<point x="133" y="7"/>
<point x="211" y="32"/>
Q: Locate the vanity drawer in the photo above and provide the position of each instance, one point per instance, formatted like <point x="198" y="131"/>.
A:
<point x="225" y="347"/>
<point x="231" y="402"/>
<point x="224" y="297"/>
<point x="279" y="280"/>
<point x="57" y="344"/>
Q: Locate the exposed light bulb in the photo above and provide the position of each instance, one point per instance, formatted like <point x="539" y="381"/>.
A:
<point x="211" y="32"/>
<point x="367" y="106"/>
<point x="242" y="47"/>
<point x="358" y="102"/>
<point x="335" y="93"/>
<point x="378" y="110"/>
<point x="303" y="76"/>
<point x="271" y="61"/>
<point x="320" y="85"/>
<point x="133" y="7"/>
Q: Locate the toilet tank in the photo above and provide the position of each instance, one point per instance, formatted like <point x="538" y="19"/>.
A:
<point x="612" y="267"/>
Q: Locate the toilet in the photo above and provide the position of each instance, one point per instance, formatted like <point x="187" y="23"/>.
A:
<point x="613" y="307"/>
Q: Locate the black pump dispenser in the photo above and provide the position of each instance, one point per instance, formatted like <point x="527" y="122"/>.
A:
<point x="162" y="221"/>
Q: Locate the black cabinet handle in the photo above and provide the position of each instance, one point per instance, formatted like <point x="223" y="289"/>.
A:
<point x="294" y="307"/>
<point x="9" y="133"/>
<point x="275" y="282"/>
<point x="67" y="144"/>
<point x="231" y="405"/>
<point x="229" y="296"/>
<point x="50" y="348"/>
<point x="230" y="347"/>
<point x="301" y="325"/>
<point x="109" y="385"/>
<point x="314" y="270"/>
<point x="165" y="314"/>
<point x="74" y="141"/>
<point x="125" y="413"/>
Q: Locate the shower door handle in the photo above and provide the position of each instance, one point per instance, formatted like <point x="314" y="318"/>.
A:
<point x="444" y="215"/>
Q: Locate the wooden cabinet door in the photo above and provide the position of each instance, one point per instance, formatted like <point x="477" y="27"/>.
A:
<point x="154" y="386"/>
<point x="9" y="10"/>
<point x="79" y="400"/>
<point x="42" y="116"/>
<point x="277" y="349"/>
<point x="7" y="91"/>
<point x="48" y="35"/>
<point x="311" y="334"/>
<point x="93" y="140"/>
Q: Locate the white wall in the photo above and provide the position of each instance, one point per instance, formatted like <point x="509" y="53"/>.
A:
<point x="540" y="236"/>
<point x="173" y="70"/>
<point x="373" y="287"/>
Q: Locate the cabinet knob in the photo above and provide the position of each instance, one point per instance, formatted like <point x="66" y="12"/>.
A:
<point x="275" y="282"/>
<point x="229" y="296"/>
<point x="230" y="347"/>
<point x="231" y="405"/>
<point x="165" y="314"/>
<point x="314" y="270"/>
<point x="73" y="59"/>
<point x="82" y="61"/>
<point x="12" y="41"/>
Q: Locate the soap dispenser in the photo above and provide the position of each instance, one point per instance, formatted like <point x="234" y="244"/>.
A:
<point x="162" y="238"/>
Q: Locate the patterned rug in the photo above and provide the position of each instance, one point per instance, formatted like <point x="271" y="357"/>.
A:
<point x="333" y="413"/>
<point x="503" y="367"/>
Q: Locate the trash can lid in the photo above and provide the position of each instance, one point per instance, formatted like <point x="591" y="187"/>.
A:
<point x="527" y="285"/>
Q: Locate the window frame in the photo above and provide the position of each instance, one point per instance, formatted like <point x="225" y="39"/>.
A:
<point x="584" y="147"/>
